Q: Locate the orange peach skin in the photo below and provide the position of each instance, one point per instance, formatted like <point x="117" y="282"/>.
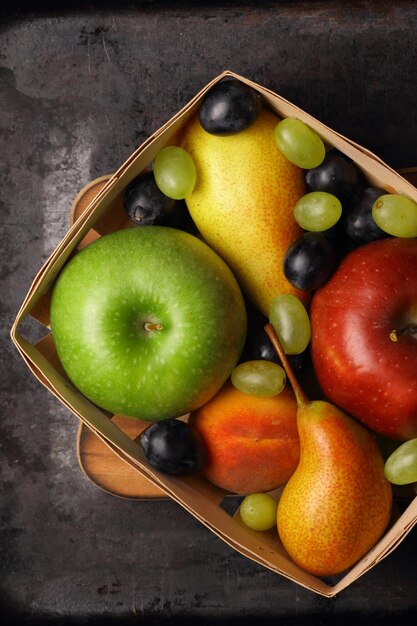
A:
<point x="251" y="443"/>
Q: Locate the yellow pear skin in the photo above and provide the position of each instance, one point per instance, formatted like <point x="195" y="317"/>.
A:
<point x="337" y="504"/>
<point x="243" y="204"/>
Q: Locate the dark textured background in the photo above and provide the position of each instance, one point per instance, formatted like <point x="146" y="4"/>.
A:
<point x="80" y="88"/>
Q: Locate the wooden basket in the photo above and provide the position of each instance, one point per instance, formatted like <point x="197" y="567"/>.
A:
<point x="104" y="214"/>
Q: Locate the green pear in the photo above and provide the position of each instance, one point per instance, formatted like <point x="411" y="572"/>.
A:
<point x="337" y="503"/>
<point x="243" y="203"/>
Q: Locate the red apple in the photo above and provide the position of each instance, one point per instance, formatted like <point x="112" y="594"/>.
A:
<point x="364" y="336"/>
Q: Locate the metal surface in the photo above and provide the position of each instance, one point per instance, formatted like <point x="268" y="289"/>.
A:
<point x="79" y="91"/>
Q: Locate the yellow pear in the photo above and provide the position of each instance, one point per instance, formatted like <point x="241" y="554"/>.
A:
<point x="337" y="503"/>
<point x="243" y="203"/>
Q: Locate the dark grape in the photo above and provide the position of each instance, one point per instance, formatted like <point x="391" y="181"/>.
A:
<point x="229" y="107"/>
<point x="337" y="175"/>
<point x="179" y="217"/>
<point x="340" y="242"/>
<point x="171" y="447"/>
<point x="358" y="222"/>
<point x="144" y="203"/>
<point x="310" y="261"/>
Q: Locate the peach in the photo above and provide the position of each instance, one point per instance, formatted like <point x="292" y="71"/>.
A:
<point x="251" y="443"/>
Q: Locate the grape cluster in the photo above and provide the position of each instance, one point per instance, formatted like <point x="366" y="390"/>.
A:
<point x="339" y="211"/>
<point x="333" y="193"/>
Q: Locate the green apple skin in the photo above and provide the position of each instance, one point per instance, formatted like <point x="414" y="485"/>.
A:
<point x="148" y="322"/>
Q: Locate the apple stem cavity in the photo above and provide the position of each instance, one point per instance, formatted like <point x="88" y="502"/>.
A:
<point x="301" y="397"/>
<point x="410" y="329"/>
<point x="151" y="326"/>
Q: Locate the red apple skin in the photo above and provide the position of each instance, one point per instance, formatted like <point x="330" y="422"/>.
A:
<point x="251" y="443"/>
<point x="357" y="363"/>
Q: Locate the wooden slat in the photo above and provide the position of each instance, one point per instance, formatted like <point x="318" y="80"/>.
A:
<point x="107" y="470"/>
<point x="40" y="311"/>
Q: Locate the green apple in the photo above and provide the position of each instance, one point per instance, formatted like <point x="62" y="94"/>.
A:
<point x="148" y="322"/>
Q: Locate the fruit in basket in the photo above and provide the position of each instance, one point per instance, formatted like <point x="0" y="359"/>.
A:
<point x="299" y="143"/>
<point x="358" y="222"/>
<point x="396" y="215"/>
<point x="290" y="319"/>
<point x="401" y="465"/>
<point x="337" y="503"/>
<point x="229" y="107"/>
<point x="259" y="347"/>
<point x="172" y="447"/>
<point x="144" y="202"/>
<point x="310" y="261"/>
<point x="243" y="203"/>
<point x="174" y="172"/>
<point x="259" y="378"/>
<point x="259" y="511"/>
<point x="251" y="443"/>
<point x="364" y="336"/>
<point x="337" y="174"/>
<point x="148" y="322"/>
<point x="317" y="211"/>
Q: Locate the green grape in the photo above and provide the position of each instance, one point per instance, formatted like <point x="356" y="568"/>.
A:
<point x="259" y="378"/>
<point x="317" y="211"/>
<point x="174" y="172"/>
<point x="396" y="215"/>
<point x="259" y="511"/>
<point x="401" y="465"/>
<point x="299" y="143"/>
<point x="291" y="322"/>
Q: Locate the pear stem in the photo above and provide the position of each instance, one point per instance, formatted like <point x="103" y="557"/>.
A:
<point x="301" y="397"/>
